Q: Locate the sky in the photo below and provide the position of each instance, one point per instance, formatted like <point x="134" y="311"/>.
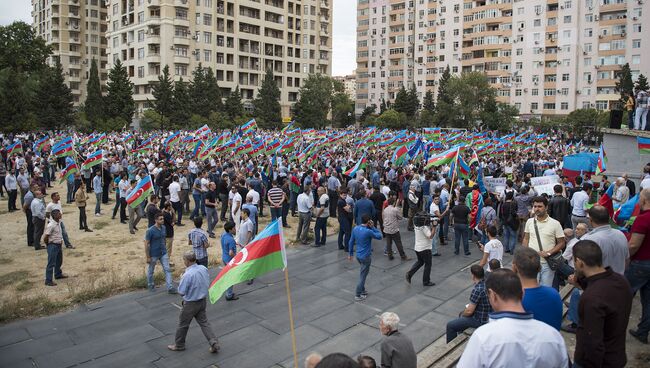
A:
<point x="343" y="41"/>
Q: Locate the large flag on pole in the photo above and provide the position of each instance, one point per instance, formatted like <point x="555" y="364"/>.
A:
<point x="69" y="170"/>
<point x="601" y="166"/>
<point x="474" y="201"/>
<point x="140" y="192"/>
<point x="361" y="164"/>
<point x="93" y="160"/>
<point x="264" y="254"/>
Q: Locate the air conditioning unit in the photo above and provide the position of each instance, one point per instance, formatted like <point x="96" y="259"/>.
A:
<point x="600" y="36"/>
<point x="559" y="48"/>
<point x="623" y="34"/>
<point x="590" y="81"/>
<point x="559" y="91"/>
<point x="193" y="52"/>
<point x="525" y="90"/>
<point x="635" y="18"/>
<point x="578" y="92"/>
<point x="584" y="53"/>
<point x="596" y="18"/>
<point x="536" y="42"/>
<point x="535" y="82"/>
<point x="561" y="6"/>
<point x="597" y="66"/>
<point x="172" y="48"/>
<point x="559" y="62"/>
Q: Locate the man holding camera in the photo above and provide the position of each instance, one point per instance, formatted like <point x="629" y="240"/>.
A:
<point x="425" y="230"/>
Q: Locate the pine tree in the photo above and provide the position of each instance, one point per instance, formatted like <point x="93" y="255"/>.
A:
<point x="213" y="91"/>
<point x="401" y="100"/>
<point x="233" y="106"/>
<point x="428" y="104"/>
<point x="267" y="109"/>
<point x="642" y="82"/>
<point x="163" y="93"/>
<point x="197" y="93"/>
<point x="413" y="102"/>
<point x="383" y="106"/>
<point x="94" y="105"/>
<point x="181" y="103"/>
<point x="445" y="100"/>
<point x="119" y="100"/>
<point x="54" y="106"/>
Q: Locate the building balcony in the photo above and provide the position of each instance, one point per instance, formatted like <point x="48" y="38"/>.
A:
<point x="178" y="59"/>
<point x="612" y="7"/>
<point x="185" y="41"/>
<point x="74" y="78"/>
<point x="325" y="4"/>
<point x="152" y="58"/>
<point x="183" y="22"/>
<point x="182" y="3"/>
<point x="153" y="39"/>
<point x="153" y="3"/>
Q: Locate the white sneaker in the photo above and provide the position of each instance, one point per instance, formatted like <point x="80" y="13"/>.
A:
<point x="98" y="215"/>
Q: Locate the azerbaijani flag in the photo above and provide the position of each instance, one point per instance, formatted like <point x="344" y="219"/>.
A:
<point x="40" y="144"/>
<point x="264" y="254"/>
<point x="474" y="201"/>
<point x="399" y="156"/>
<point x="644" y="145"/>
<point x="172" y="140"/>
<point x="606" y="200"/>
<point x="601" y="167"/>
<point x="361" y="164"/>
<point x="14" y="148"/>
<point x="69" y="170"/>
<point x="140" y="192"/>
<point x="442" y="158"/>
<point x="129" y="138"/>
<point x="463" y="168"/>
<point x="480" y="181"/>
<point x="93" y="159"/>
<point x="628" y="210"/>
<point x="248" y="127"/>
<point x="203" y="131"/>
<point x="431" y="134"/>
<point x="62" y="150"/>
<point x="474" y="159"/>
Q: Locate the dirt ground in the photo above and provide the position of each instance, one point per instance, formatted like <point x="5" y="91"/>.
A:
<point x="107" y="261"/>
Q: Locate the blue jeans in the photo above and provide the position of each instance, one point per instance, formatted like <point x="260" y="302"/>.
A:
<point x="197" y="205"/>
<point x="345" y="231"/>
<point x="275" y="213"/>
<point x="320" y="230"/>
<point x="546" y="275"/>
<point x="460" y="324"/>
<point x="203" y="204"/>
<point x="66" y="239"/>
<point x="461" y="230"/>
<point x="54" y="261"/>
<point x="70" y="193"/>
<point x="509" y="238"/>
<point x="444" y="227"/>
<point x="365" y="268"/>
<point x="164" y="261"/>
<point x="434" y="244"/>
<point x="638" y="275"/>
<point x="572" y="314"/>
<point x="213" y="218"/>
<point x="98" y="198"/>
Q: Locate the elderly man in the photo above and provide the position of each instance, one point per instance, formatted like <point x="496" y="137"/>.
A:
<point x="54" y="238"/>
<point x="396" y="348"/>
<point x="38" y="217"/>
<point x="621" y="192"/>
<point x="194" y="290"/>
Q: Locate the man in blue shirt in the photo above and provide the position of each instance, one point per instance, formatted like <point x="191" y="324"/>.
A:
<point x="194" y="289"/>
<point x="362" y="236"/>
<point x="363" y="206"/>
<point x="228" y="251"/>
<point x="543" y="302"/>
<point x="155" y="250"/>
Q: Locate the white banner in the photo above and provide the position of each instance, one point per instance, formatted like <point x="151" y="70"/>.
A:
<point x="544" y="180"/>
<point x="492" y="184"/>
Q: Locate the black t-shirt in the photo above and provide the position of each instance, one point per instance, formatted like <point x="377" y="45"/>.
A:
<point x="341" y="212"/>
<point x="169" y="224"/>
<point x="152" y="210"/>
<point x="460" y="213"/>
<point x="378" y="199"/>
<point x="210" y="196"/>
<point x="222" y="187"/>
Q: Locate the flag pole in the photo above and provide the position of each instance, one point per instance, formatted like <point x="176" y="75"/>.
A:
<point x="291" y="325"/>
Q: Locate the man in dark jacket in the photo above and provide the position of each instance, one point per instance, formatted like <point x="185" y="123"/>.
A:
<point x="396" y="348"/>
<point x="559" y="207"/>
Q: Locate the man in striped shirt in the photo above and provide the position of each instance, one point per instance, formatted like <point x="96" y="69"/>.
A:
<point x="276" y="198"/>
<point x="198" y="239"/>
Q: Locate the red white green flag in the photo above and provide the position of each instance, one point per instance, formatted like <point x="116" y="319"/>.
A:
<point x="442" y="158"/>
<point x="264" y="254"/>
<point x="361" y="164"/>
<point x="140" y="192"/>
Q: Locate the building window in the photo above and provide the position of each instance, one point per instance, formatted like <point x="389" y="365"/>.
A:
<point x="565" y="77"/>
<point x="564" y="106"/>
<point x="636" y="28"/>
<point x="602" y="105"/>
<point x="207" y="19"/>
<point x="534" y="105"/>
<point x="141" y="53"/>
<point x="636" y="59"/>
<point x="567" y="19"/>
<point x="207" y="54"/>
<point x="636" y="44"/>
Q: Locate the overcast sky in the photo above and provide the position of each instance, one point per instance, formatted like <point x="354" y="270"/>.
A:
<point x="343" y="42"/>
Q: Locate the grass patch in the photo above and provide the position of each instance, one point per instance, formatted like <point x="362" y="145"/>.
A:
<point x="20" y="307"/>
<point x="24" y="285"/>
<point x="100" y="225"/>
<point x="4" y="261"/>
<point x="13" y="277"/>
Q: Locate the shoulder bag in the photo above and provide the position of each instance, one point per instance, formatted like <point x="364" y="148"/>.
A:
<point x="554" y="260"/>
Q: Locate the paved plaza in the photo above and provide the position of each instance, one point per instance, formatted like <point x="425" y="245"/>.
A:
<point x="134" y="329"/>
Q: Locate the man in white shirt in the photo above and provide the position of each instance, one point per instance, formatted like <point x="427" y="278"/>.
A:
<point x="175" y="198"/>
<point x="305" y="204"/>
<point x="235" y="206"/>
<point x="512" y="337"/>
<point x="621" y="192"/>
<point x="579" y="202"/>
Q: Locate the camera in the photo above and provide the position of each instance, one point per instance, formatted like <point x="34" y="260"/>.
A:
<point x="424" y="219"/>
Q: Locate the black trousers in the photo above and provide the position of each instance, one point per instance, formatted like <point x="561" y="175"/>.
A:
<point x="30" y="228"/>
<point x="424" y="258"/>
<point x="397" y="238"/>
<point x="122" y="208"/>
<point x="39" y="227"/>
<point x="13" y="194"/>
<point x="334" y="198"/>
<point x="83" y="223"/>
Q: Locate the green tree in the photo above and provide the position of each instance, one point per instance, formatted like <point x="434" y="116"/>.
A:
<point x="16" y="101"/>
<point x="384" y="106"/>
<point x="391" y="119"/>
<point x="428" y="103"/>
<point x="498" y="116"/>
<point x="181" y="102"/>
<point x="152" y="120"/>
<point x="582" y="120"/>
<point x="54" y="101"/>
<point x="642" y="82"/>
<point x="213" y="91"/>
<point x="266" y="107"/>
<point x="94" y="105"/>
<point x="402" y="102"/>
<point x="368" y="111"/>
<point x="445" y="101"/>
<point x="163" y="94"/>
<point x="205" y="93"/>
<point x="625" y="85"/>
<point x="469" y="94"/>
<point x="342" y="110"/>
<point x="314" y="103"/>
<point x="119" y="100"/>
<point x="233" y="107"/>
<point x="21" y="50"/>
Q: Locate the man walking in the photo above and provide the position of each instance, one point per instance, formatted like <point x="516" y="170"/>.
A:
<point x="194" y="290"/>
<point x="54" y="239"/>
<point x="512" y="336"/>
<point x="198" y="240"/>
<point x="392" y="218"/>
<point x="544" y="235"/>
<point x="362" y="236"/>
<point x="155" y="250"/>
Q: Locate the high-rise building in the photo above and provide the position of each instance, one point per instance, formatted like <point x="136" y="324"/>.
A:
<point x="75" y="30"/>
<point x="546" y="57"/>
<point x="349" y="84"/>
<point x="238" y="39"/>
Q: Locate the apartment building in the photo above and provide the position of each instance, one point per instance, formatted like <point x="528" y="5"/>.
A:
<point x="75" y="30"/>
<point x="239" y="39"/>
<point x="349" y="84"/>
<point x="546" y="57"/>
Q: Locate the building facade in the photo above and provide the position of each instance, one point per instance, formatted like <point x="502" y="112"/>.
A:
<point x="238" y="39"/>
<point x="350" y="84"/>
<point x="546" y="57"/>
<point x="75" y="30"/>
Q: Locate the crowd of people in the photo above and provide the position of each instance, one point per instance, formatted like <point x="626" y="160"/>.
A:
<point x="555" y="238"/>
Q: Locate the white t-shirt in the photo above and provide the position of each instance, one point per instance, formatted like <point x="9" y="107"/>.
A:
<point x="494" y="249"/>
<point x="434" y="208"/>
<point x="235" y="198"/>
<point x="422" y="241"/>
<point x="323" y="202"/>
<point x="53" y="206"/>
<point x="174" y="189"/>
<point x="204" y="184"/>
<point x="254" y="195"/>
<point x="244" y="228"/>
